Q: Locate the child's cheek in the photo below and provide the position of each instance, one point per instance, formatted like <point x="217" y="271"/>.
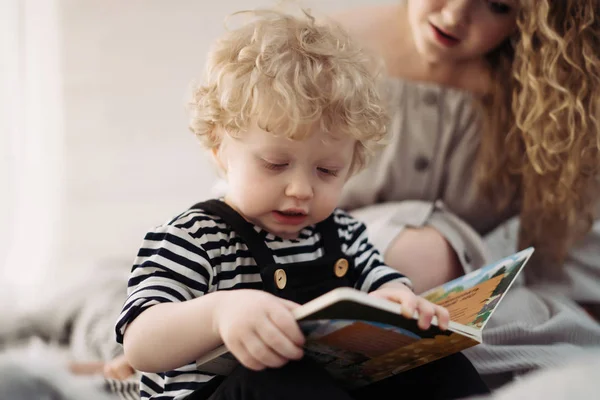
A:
<point x="329" y="200"/>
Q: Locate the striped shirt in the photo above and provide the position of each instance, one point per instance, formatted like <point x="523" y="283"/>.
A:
<point x="197" y="253"/>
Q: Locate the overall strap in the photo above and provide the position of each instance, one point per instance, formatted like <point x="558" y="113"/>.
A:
<point x="332" y="245"/>
<point x="256" y="244"/>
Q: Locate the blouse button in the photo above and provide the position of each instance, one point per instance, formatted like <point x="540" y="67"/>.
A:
<point x="421" y="163"/>
<point x="280" y="278"/>
<point x="467" y="257"/>
<point x="341" y="267"/>
<point x="430" y="98"/>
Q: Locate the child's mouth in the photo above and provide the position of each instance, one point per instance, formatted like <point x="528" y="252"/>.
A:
<point x="291" y="217"/>
<point x="292" y="212"/>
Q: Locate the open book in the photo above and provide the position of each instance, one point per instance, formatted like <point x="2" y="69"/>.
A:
<point x="361" y="339"/>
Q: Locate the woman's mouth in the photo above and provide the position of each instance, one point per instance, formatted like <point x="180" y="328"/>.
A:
<point x="443" y="37"/>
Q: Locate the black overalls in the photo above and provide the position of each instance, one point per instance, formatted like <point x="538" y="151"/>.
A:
<point x="298" y="282"/>
<point x="301" y="282"/>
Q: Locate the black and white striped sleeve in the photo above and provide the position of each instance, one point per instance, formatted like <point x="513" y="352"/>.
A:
<point x="368" y="262"/>
<point x="171" y="266"/>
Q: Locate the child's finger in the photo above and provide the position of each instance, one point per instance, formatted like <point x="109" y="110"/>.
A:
<point x="237" y="348"/>
<point x="286" y="323"/>
<point x="426" y="312"/>
<point x="290" y="305"/>
<point x="409" y="305"/>
<point x="278" y="341"/>
<point x="406" y="298"/>
<point x="443" y="317"/>
<point x="262" y="352"/>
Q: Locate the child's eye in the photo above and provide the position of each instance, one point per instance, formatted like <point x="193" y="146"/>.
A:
<point x="274" y="166"/>
<point x="327" y="171"/>
<point x="498" y="8"/>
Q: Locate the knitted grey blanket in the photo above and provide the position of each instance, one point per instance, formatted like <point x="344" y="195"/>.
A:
<point x="534" y="327"/>
<point x="541" y="326"/>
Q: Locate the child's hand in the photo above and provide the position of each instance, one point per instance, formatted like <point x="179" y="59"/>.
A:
<point x="259" y="329"/>
<point x="400" y="293"/>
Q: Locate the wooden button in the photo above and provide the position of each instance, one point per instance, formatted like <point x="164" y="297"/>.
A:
<point x="341" y="267"/>
<point x="280" y="278"/>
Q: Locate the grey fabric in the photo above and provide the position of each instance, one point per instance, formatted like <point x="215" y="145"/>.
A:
<point x="37" y="371"/>
<point x="125" y="390"/>
<point x="577" y="379"/>
<point x="76" y="323"/>
<point x="79" y="315"/>
<point x="533" y="328"/>
<point x="541" y="326"/>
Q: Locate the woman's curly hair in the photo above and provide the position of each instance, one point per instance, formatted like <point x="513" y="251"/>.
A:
<point x="289" y="74"/>
<point x="541" y="145"/>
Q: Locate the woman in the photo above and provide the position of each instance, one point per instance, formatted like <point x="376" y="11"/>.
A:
<point x="495" y="107"/>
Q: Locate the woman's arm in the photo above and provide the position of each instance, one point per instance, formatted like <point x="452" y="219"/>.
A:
<point x="422" y="240"/>
<point x="425" y="255"/>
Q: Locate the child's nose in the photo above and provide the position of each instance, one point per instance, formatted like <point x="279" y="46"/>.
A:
<point x="300" y="188"/>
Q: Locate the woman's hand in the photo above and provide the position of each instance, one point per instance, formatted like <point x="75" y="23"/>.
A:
<point x="259" y="329"/>
<point x="400" y="293"/>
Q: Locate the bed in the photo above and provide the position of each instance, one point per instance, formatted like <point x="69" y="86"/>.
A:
<point x="535" y="328"/>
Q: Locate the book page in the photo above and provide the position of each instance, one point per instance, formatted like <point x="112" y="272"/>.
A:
<point x="358" y="353"/>
<point x="471" y="299"/>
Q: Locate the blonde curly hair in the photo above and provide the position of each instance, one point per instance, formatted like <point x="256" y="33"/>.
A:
<point x="541" y="145"/>
<point x="290" y="75"/>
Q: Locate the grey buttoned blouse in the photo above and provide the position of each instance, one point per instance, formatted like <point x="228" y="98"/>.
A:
<point x="424" y="175"/>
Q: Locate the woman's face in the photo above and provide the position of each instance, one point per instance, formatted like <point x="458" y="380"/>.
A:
<point x="460" y="30"/>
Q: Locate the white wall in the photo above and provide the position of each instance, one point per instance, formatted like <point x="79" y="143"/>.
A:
<point x="31" y="143"/>
<point x="94" y="145"/>
<point x="130" y="160"/>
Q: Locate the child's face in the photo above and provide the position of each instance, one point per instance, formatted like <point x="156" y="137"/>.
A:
<point x="285" y="185"/>
<point x="460" y="30"/>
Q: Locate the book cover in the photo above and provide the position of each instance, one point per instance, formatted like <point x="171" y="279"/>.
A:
<point x="360" y="339"/>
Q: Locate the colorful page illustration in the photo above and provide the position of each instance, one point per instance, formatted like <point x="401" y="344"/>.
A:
<point x="472" y="298"/>
<point x="359" y="352"/>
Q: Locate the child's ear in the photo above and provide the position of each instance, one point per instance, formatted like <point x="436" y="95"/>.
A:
<point x="217" y="155"/>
